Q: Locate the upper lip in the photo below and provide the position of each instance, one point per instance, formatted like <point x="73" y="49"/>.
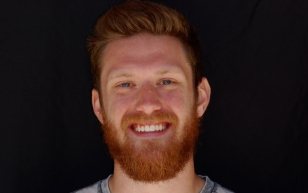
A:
<point x="150" y="127"/>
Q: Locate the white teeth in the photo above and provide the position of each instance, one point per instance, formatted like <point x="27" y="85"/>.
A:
<point x="149" y="128"/>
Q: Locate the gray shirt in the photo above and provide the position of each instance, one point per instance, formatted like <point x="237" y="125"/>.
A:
<point x="102" y="187"/>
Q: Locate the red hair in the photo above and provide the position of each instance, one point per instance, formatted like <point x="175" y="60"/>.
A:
<point x="136" y="16"/>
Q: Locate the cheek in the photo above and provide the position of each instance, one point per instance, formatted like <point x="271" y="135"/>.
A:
<point x="179" y="101"/>
<point x="181" y="104"/>
<point x="173" y="99"/>
<point x="115" y="106"/>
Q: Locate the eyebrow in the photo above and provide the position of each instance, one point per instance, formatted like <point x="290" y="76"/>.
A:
<point x="162" y="72"/>
<point x="168" y="71"/>
<point x="117" y="75"/>
<point x="121" y="74"/>
<point x="124" y="74"/>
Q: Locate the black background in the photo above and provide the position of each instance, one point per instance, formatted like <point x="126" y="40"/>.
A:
<point x="254" y="135"/>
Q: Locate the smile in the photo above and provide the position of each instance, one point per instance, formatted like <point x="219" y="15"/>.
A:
<point x="147" y="128"/>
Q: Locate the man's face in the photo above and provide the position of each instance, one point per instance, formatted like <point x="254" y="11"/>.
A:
<point x="147" y="105"/>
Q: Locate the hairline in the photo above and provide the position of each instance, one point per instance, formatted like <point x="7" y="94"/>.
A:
<point x="120" y="36"/>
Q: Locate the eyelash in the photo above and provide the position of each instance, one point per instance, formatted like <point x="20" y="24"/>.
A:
<point x="163" y="82"/>
<point x="125" y="85"/>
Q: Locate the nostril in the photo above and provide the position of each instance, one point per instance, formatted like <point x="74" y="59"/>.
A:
<point x="148" y="108"/>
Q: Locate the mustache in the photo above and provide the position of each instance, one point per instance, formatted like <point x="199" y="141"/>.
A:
<point x="155" y="117"/>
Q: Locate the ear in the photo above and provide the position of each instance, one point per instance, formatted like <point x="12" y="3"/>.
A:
<point x="203" y="98"/>
<point x="96" y="105"/>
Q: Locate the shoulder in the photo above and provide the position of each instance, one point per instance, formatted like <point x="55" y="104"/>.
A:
<point x="220" y="189"/>
<point x="213" y="187"/>
<point x="99" y="187"/>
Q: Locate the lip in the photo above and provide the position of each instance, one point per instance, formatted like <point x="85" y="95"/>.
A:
<point x="158" y="132"/>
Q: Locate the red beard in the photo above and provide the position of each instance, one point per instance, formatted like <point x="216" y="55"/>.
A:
<point x="152" y="161"/>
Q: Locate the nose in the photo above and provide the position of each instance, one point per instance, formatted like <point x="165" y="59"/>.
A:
<point x="148" y="100"/>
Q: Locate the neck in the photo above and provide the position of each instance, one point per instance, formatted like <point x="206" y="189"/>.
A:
<point x="186" y="181"/>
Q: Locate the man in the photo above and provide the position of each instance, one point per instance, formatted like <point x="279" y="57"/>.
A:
<point x="149" y="96"/>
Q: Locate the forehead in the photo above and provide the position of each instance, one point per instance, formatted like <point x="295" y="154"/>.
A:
<point x="145" y="51"/>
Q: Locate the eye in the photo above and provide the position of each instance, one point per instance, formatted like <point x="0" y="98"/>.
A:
<point x="166" y="82"/>
<point x="125" y="85"/>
